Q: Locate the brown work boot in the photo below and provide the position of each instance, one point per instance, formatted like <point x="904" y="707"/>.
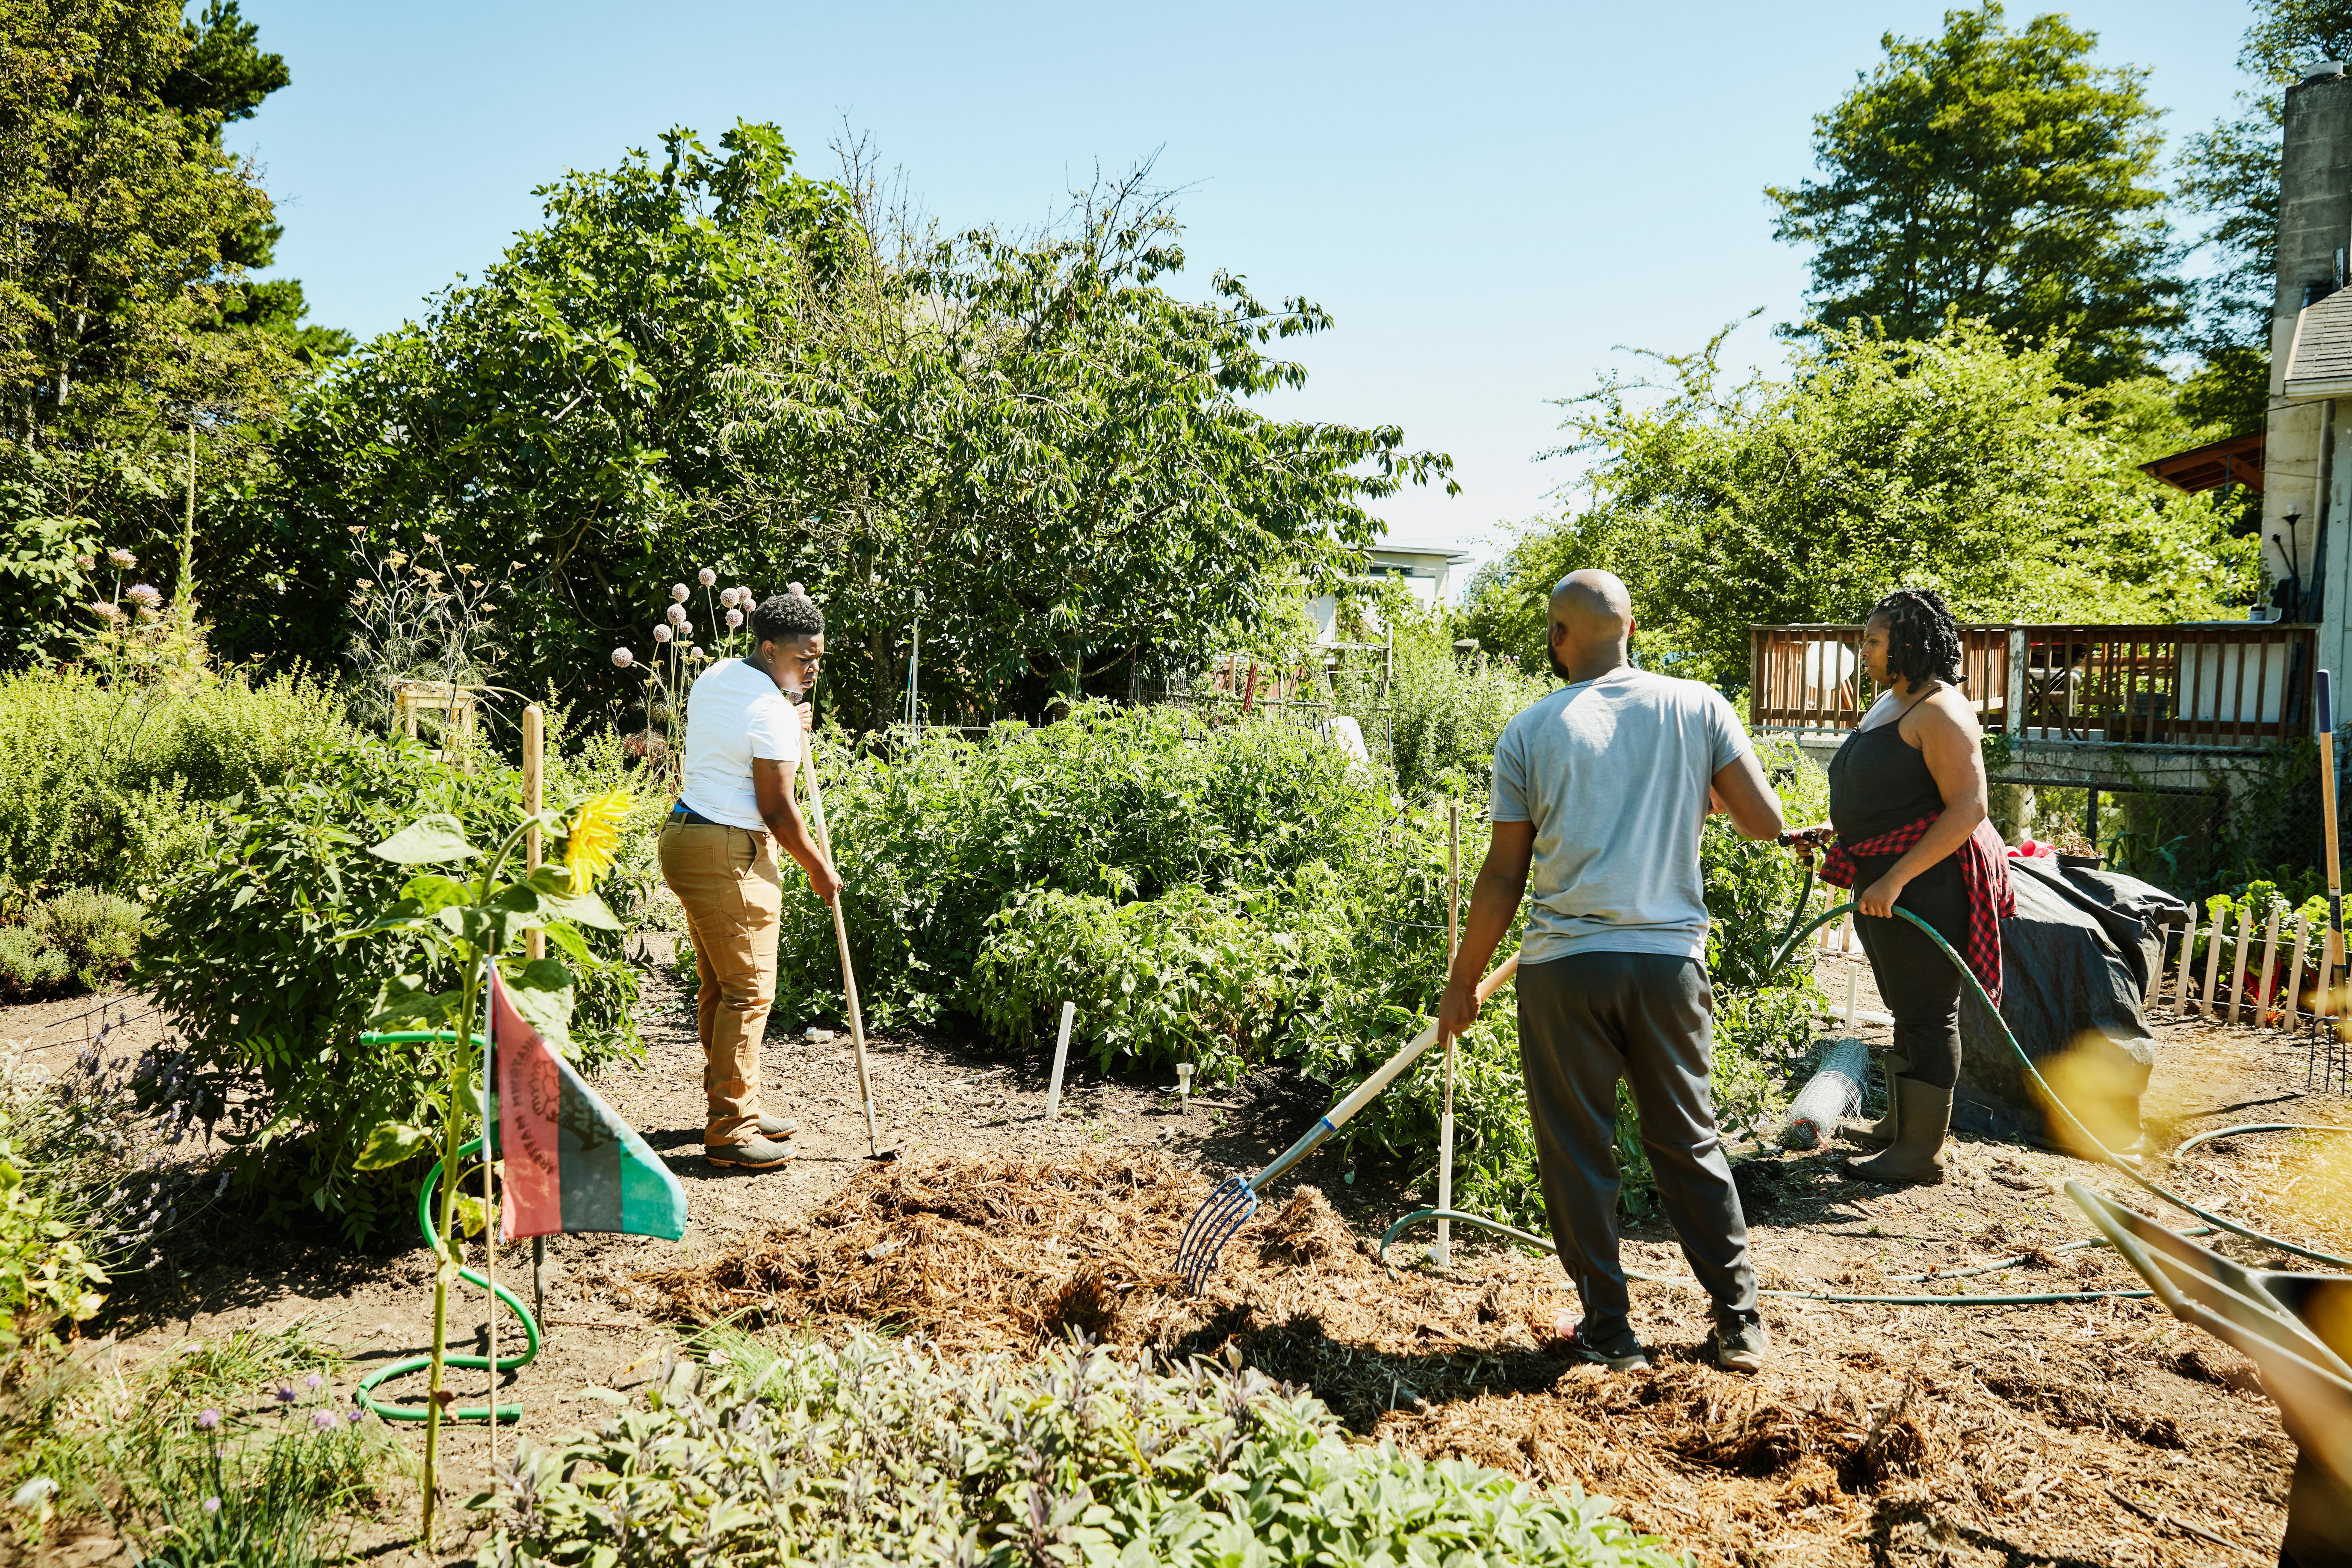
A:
<point x="754" y="1153"/>
<point x="1915" y="1158"/>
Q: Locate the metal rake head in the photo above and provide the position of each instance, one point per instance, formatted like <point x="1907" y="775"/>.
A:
<point x="1213" y="1224"/>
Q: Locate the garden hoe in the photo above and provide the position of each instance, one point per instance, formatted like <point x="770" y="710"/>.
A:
<point x="1234" y="1203"/>
<point x="848" y="976"/>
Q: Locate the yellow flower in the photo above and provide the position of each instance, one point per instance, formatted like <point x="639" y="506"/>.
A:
<point x="590" y="849"/>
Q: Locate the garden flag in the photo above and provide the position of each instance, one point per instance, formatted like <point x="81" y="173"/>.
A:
<point x="570" y="1163"/>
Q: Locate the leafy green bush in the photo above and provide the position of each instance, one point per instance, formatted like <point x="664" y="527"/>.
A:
<point x="1443" y="713"/>
<point x="936" y="836"/>
<point x="248" y="959"/>
<point x="30" y="967"/>
<point x="106" y="785"/>
<point x="45" y="1278"/>
<point x="1188" y="977"/>
<point x="881" y="1453"/>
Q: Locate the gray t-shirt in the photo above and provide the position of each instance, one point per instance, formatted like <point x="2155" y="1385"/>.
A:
<point x="1614" y="772"/>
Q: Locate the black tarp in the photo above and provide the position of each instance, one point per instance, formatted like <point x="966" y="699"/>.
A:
<point x="2075" y="959"/>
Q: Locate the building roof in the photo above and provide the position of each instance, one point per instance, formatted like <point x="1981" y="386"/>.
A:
<point x="2236" y="461"/>
<point x="1453" y="554"/>
<point x="2320" y="363"/>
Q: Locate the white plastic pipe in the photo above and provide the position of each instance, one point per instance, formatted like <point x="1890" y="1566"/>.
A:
<point x="1061" y="1058"/>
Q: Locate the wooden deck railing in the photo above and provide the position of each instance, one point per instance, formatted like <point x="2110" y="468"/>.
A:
<point x="2217" y="684"/>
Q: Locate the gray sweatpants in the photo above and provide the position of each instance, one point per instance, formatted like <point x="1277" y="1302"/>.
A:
<point x="1585" y="1021"/>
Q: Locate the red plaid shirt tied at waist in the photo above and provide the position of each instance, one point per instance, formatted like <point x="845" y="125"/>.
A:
<point x="1984" y="875"/>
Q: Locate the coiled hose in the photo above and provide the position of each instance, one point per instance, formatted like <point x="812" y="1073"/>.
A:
<point x="368" y="1384"/>
<point x="2213" y="1221"/>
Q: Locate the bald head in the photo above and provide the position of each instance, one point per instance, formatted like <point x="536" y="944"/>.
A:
<point x="1591" y="621"/>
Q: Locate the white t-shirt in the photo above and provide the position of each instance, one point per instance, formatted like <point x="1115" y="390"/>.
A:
<point x="1613" y="772"/>
<point x="734" y="714"/>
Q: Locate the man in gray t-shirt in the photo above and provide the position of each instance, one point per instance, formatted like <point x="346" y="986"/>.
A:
<point x="1601" y="791"/>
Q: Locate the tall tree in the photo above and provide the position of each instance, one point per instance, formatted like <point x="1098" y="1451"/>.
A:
<point x="2230" y="173"/>
<point x="1956" y="462"/>
<point x="126" y="233"/>
<point x="1997" y="175"/>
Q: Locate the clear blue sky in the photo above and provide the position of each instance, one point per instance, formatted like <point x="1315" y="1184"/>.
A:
<point x="1489" y="198"/>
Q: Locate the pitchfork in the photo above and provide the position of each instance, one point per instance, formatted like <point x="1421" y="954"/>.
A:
<point x="1235" y="1202"/>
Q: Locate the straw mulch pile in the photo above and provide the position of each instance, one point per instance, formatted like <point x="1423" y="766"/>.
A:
<point x="2104" y="1434"/>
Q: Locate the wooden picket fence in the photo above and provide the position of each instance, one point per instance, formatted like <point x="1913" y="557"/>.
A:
<point x="2275" y="997"/>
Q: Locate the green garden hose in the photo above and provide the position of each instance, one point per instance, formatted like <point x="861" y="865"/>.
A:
<point x="1797" y="933"/>
<point x="505" y="1413"/>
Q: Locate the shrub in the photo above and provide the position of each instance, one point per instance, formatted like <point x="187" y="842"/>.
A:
<point x="1443" y="713"/>
<point x="249" y="961"/>
<point x="878" y="1453"/>
<point x="107" y="785"/>
<point x="30" y="968"/>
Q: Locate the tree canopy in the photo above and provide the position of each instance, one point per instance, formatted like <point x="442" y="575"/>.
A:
<point x="1997" y="176"/>
<point x="710" y="360"/>
<point x="1960" y="462"/>
<point x="126" y="312"/>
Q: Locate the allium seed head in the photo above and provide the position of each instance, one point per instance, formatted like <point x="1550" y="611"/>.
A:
<point x="734" y="619"/>
<point x="727" y="598"/>
<point x="678" y="615"/>
<point x="679" y="591"/>
<point x="662" y="632"/>
<point x="623" y="658"/>
<point x="706" y="577"/>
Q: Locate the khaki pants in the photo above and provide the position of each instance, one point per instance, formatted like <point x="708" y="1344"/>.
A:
<point x="725" y="877"/>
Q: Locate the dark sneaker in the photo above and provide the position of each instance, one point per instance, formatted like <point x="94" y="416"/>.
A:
<point x="778" y="1127"/>
<point x="1615" y="1349"/>
<point x="753" y="1154"/>
<point x="1739" y="1344"/>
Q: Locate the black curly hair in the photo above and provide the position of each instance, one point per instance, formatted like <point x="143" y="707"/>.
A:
<point x="1923" y="640"/>
<point x="791" y="614"/>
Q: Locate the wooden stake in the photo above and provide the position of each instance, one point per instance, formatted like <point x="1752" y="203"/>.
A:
<point x="2188" y="959"/>
<point x="2238" y="961"/>
<point x="534" y="942"/>
<point x="2293" y="1018"/>
<point x="2329" y="1004"/>
<point x="1443" y="1253"/>
<point x="2266" y="987"/>
<point x="2209" y="996"/>
<point x="1061" y="1059"/>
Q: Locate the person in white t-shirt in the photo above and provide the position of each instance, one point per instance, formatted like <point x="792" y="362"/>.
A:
<point x="735" y="805"/>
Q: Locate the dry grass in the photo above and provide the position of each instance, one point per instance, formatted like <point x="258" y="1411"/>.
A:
<point x="1873" y="1436"/>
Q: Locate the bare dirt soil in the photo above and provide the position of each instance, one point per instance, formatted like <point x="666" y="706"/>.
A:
<point x="2103" y="1432"/>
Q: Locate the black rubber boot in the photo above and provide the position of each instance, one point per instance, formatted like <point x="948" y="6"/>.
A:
<point x="1889" y="1127"/>
<point x="1915" y="1158"/>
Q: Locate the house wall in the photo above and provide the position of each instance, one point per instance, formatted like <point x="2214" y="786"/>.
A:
<point x="2315" y="224"/>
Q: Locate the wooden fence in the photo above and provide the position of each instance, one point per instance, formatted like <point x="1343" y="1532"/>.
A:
<point x="2224" y="685"/>
<point x="2236" y="973"/>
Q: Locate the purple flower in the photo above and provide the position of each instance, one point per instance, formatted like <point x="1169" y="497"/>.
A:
<point x="353" y="1414"/>
<point x="122" y="558"/>
<point x="662" y="633"/>
<point x="706" y="577"/>
<point x="314" y="1381"/>
<point x="623" y="658"/>
<point x="146" y="596"/>
<point x="212" y="1505"/>
<point x="207" y="1419"/>
<point x="284" y="1394"/>
<point x="324" y="1420"/>
<point x="679" y="591"/>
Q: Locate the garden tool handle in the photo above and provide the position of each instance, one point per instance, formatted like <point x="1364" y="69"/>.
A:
<point x="841" y="935"/>
<point x="1365" y="1092"/>
<point x="2334" y="956"/>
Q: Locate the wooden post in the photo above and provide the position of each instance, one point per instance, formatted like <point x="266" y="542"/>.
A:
<point x="2188" y="958"/>
<point x="2266" y="986"/>
<point x="2208" y="996"/>
<point x="2329" y="1006"/>
<point x="2013" y="721"/>
<point x="2238" y="961"/>
<point x="2294" y="982"/>
<point x="534" y="947"/>
<point x="1061" y="1059"/>
<point x="1444" y="1251"/>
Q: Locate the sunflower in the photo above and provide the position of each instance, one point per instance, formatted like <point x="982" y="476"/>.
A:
<point x="594" y="841"/>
